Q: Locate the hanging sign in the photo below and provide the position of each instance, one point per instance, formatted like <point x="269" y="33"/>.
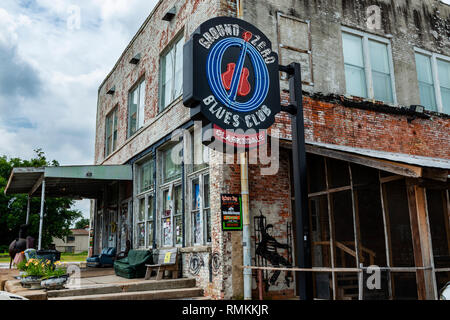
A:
<point x="231" y="208"/>
<point x="231" y="76"/>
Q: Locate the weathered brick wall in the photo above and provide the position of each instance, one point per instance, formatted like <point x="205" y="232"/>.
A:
<point x="150" y="41"/>
<point x="334" y="123"/>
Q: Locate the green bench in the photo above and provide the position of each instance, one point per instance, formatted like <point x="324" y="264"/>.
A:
<point x="133" y="266"/>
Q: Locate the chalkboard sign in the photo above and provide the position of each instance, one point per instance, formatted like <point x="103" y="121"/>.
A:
<point x="231" y="207"/>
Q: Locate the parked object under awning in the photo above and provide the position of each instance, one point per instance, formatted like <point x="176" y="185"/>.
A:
<point x="64" y="181"/>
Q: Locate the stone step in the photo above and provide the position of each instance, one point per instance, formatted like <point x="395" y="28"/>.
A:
<point x="141" y="295"/>
<point x="145" y="285"/>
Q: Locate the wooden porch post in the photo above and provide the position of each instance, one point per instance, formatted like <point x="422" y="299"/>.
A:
<point x="421" y="238"/>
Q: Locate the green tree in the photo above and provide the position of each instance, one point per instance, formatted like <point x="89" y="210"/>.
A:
<point x="80" y="224"/>
<point x="58" y="215"/>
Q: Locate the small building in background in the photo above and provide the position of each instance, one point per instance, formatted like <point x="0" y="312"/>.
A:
<point x="77" y="242"/>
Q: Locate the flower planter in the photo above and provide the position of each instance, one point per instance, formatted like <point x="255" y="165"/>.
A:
<point x="55" y="283"/>
<point x="32" y="283"/>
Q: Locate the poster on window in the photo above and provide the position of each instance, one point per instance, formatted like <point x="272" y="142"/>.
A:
<point x="231" y="208"/>
<point x="197" y="197"/>
<point x="167" y="231"/>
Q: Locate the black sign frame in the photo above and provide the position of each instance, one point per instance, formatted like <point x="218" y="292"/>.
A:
<point x="209" y="56"/>
<point x="230" y="208"/>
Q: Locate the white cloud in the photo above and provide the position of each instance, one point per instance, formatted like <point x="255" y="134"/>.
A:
<point x="53" y="72"/>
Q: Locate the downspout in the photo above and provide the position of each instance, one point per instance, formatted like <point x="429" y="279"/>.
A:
<point x="246" y="226"/>
<point x="245" y="207"/>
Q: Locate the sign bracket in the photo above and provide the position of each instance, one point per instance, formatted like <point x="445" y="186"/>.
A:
<point x="303" y="245"/>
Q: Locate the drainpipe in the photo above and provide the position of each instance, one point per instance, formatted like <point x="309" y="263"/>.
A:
<point x="246" y="227"/>
<point x="245" y="207"/>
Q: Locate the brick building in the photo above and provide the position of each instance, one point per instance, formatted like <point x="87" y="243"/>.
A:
<point x="376" y="81"/>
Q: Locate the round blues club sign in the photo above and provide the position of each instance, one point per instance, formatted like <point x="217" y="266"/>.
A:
<point x="231" y="75"/>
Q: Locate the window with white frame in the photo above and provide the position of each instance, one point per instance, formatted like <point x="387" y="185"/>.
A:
<point x="171" y="169"/>
<point x="111" y="132"/>
<point x="136" y="107"/>
<point x="170" y="212"/>
<point x="199" y="152"/>
<point x="200" y="209"/>
<point x="433" y="75"/>
<point x="172" y="217"/>
<point x="171" y="73"/>
<point x="198" y="178"/>
<point x="145" y="202"/>
<point x="368" y="66"/>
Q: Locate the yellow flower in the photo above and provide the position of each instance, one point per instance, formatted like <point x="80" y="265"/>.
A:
<point x="48" y="261"/>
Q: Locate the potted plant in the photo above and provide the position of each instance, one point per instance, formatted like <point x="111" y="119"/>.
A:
<point x="34" y="271"/>
<point x="55" y="277"/>
<point x="22" y="267"/>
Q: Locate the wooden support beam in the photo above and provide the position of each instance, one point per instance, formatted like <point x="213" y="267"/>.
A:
<point x="387" y="235"/>
<point x="356" y="232"/>
<point x="421" y="238"/>
<point x="446" y="206"/>
<point x="332" y="232"/>
<point x="391" y="178"/>
<point x="36" y="185"/>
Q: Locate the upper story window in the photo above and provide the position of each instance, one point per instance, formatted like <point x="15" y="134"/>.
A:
<point x="368" y="66"/>
<point x="111" y="132"/>
<point x="136" y="106"/>
<point x="171" y="73"/>
<point x="433" y="74"/>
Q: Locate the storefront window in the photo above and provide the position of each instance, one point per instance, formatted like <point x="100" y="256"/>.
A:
<point x="146" y="176"/>
<point x="149" y="219"/>
<point x="141" y="209"/>
<point x="200" y="209"/>
<point x="178" y="214"/>
<point x="171" y="170"/>
<point x="166" y="220"/>
<point x="206" y="207"/>
<point x="145" y="203"/>
<point x="195" y="211"/>
<point x="172" y="211"/>
<point x="199" y="152"/>
<point x="141" y="234"/>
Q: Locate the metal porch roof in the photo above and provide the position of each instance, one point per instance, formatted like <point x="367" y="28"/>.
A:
<point x="68" y="181"/>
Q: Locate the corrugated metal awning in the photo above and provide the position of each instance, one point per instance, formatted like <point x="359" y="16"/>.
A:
<point x="67" y="181"/>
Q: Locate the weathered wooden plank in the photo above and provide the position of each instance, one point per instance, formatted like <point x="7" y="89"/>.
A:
<point x="387" y="235"/>
<point x="421" y="238"/>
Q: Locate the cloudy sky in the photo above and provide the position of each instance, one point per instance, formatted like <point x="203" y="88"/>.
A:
<point x="53" y="56"/>
<point x="52" y="61"/>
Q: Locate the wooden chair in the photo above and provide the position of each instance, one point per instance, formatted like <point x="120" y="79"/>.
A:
<point x="167" y="260"/>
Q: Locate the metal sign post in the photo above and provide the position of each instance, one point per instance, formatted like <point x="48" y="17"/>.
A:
<point x="303" y="252"/>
